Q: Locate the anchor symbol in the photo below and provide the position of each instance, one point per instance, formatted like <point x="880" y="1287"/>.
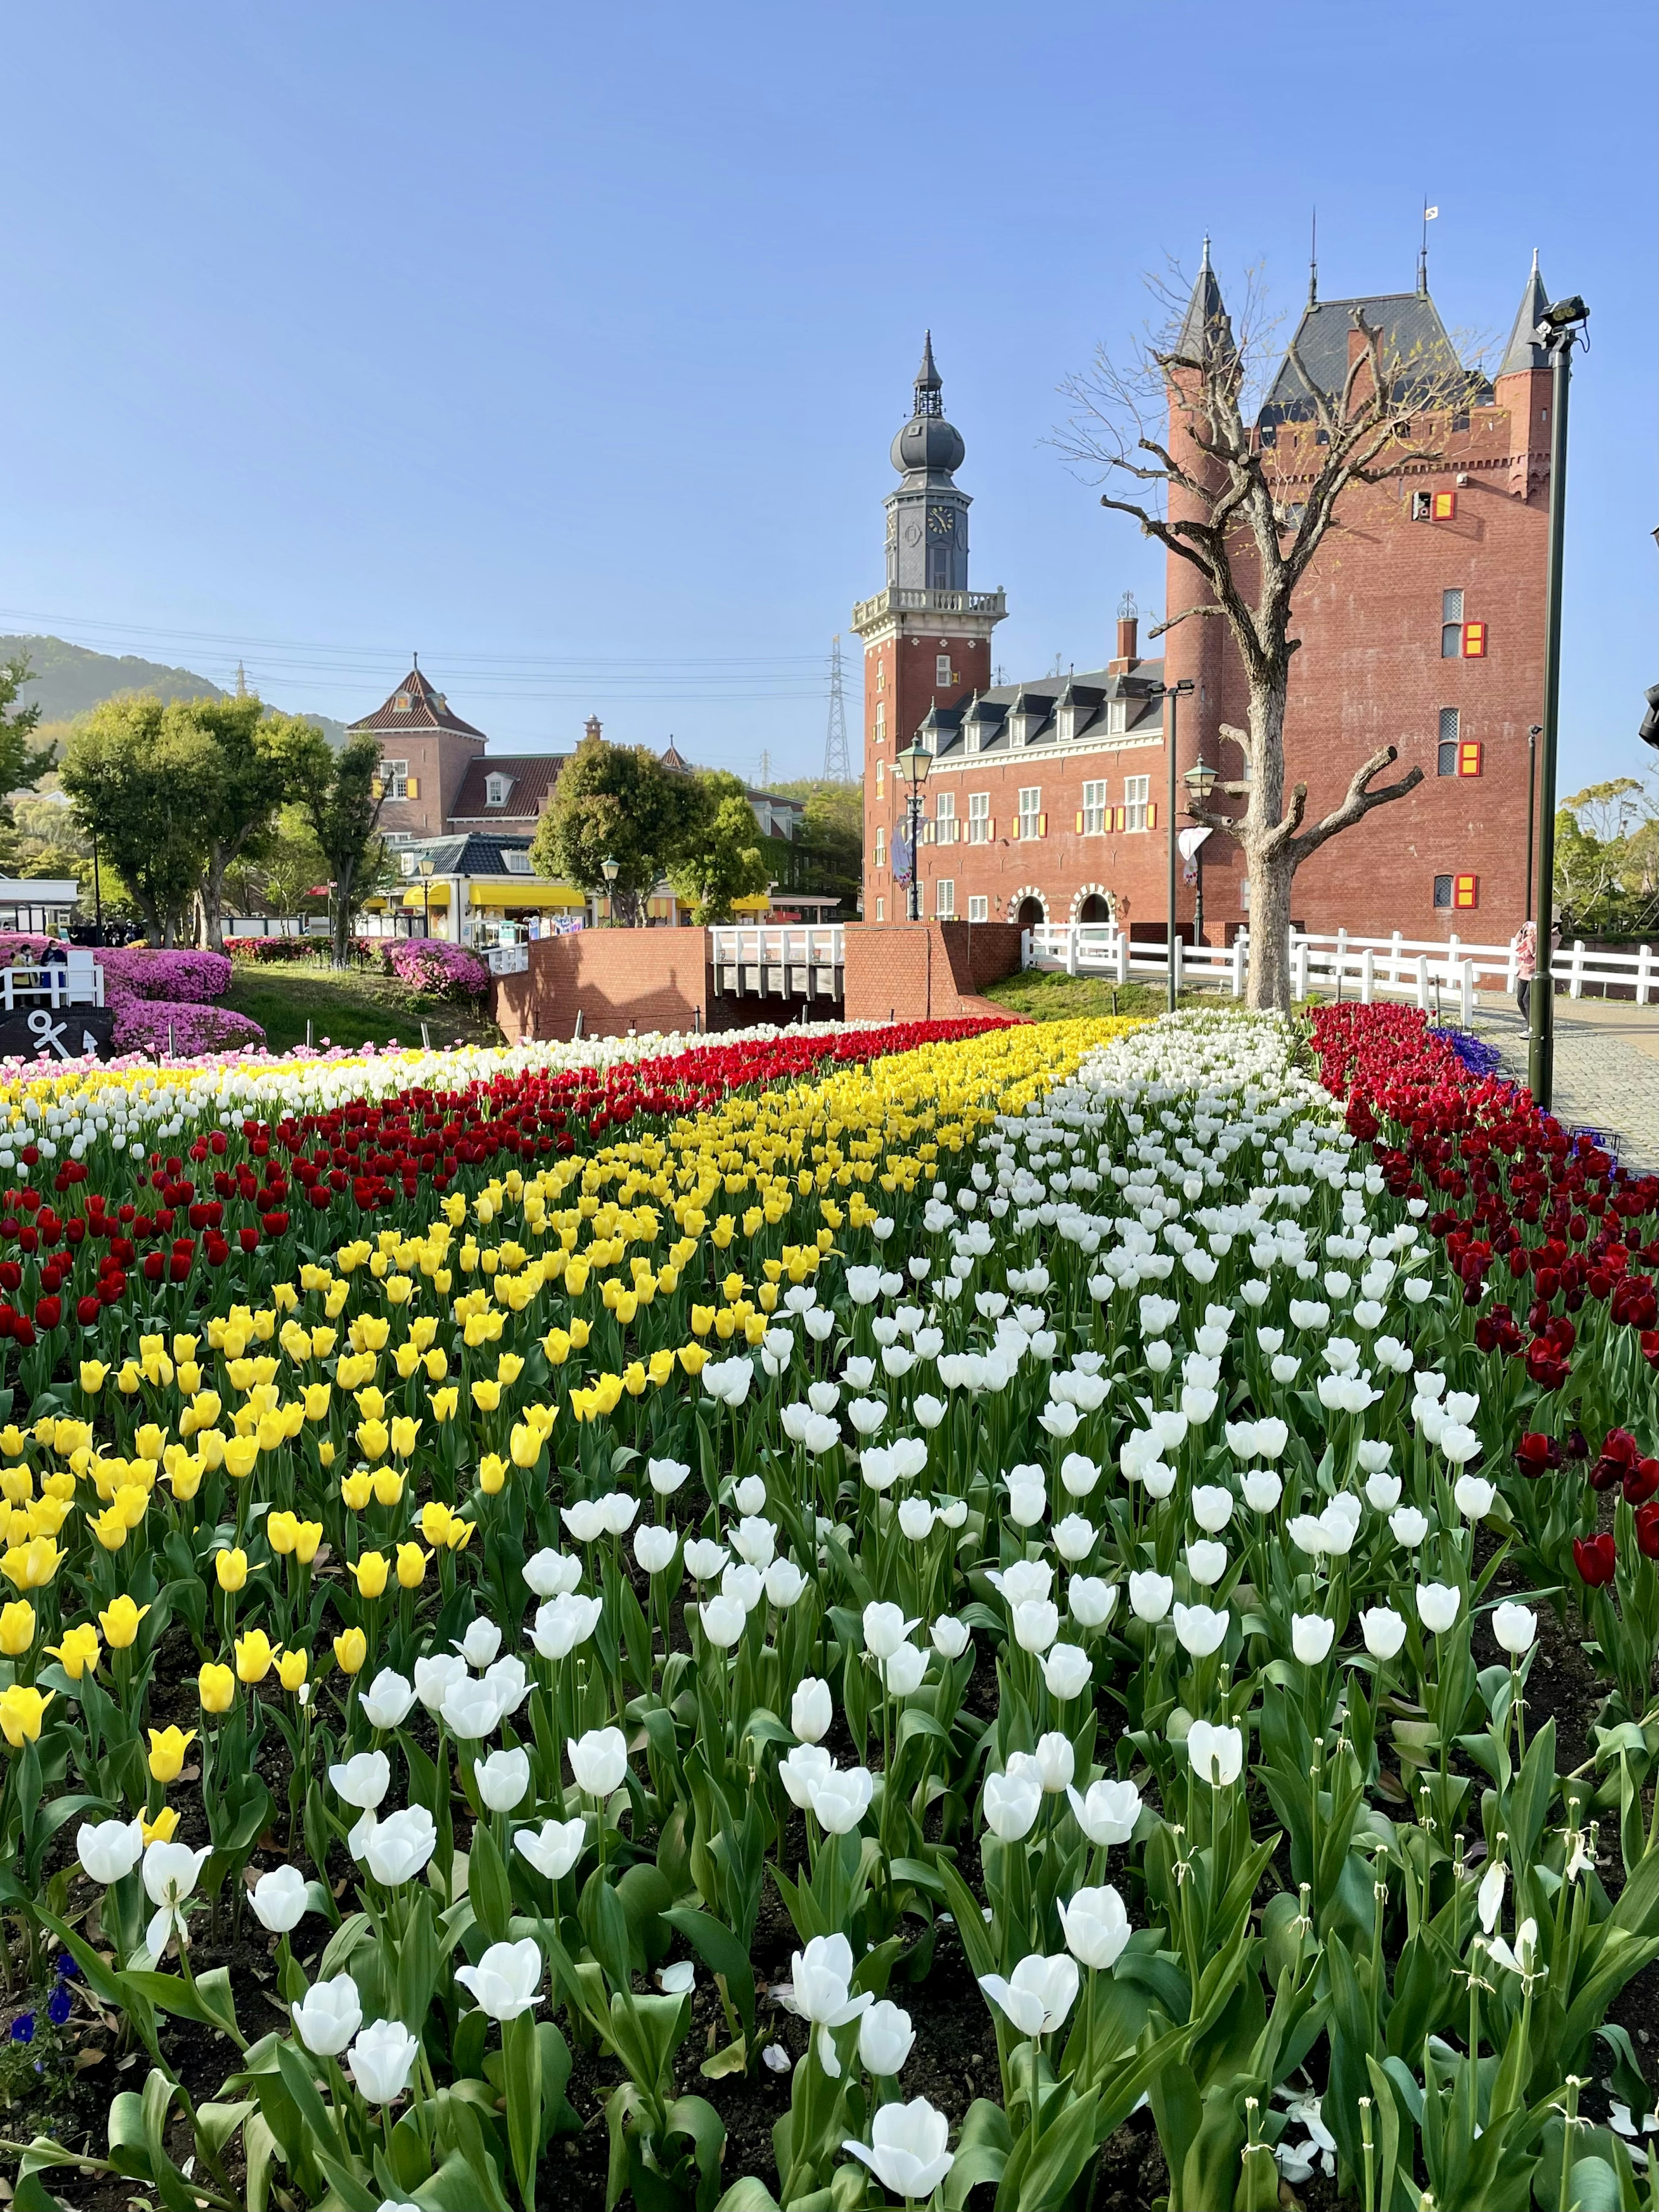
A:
<point x="50" y="1033"/>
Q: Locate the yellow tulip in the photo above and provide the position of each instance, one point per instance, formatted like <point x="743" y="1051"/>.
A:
<point x="254" y="1656"/>
<point x="215" y="1687"/>
<point x="350" y="1650"/>
<point x="326" y="1454"/>
<point x="131" y="1503"/>
<point x="371" y="1404"/>
<point x="211" y="1446"/>
<point x="356" y="1488"/>
<point x="150" y="1442"/>
<point x="186" y="1477"/>
<point x="692" y="1358"/>
<point x="308" y="1536"/>
<point x="492" y="1472"/>
<point x="160" y="1829"/>
<point x="404" y="1430"/>
<point x="436" y="1363"/>
<point x="12" y="1440"/>
<point x="78" y="1651"/>
<point x="370" y="1568"/>
<point x="436" y="1517"/>
<point x="241" y="1453"/>
<point x="526" y="1446"/>
<point x="120" y="1621"/>
<point x="486" y="1394"/>
<point x="110" y="1527"/>
<point x="92" y="1373"/>
<point x="282" y="1532"/>
<point x="21" y="1711"/>
<point x="167" y="1748"/>
<point x="372" y="1439"/>
<point x="292" y="1668"/>
<point x="581" y="1330"/>
<point x="230" y="1567"/>
<point x="388" y="1482"/>
<point x="32" y="1565"/>
<point x="508" y="1367"/>
<point x="556" y="1344"/>
<point x="411" y="1566"/>
<point x="16" y="1628"/>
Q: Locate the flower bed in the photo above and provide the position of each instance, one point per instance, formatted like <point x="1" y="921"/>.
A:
<point x="639" y="1631"/>
<point x="447" y="971"/>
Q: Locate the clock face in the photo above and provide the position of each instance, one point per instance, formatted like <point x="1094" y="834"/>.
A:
<point x="940" y="522"/>
<point x="913" y="534"/>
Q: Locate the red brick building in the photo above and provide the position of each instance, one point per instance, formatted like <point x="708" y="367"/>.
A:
<point x="1421" y="623"/>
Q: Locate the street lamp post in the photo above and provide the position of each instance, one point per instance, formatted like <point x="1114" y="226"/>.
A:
<point x="1560" y="327"/>
<point x="610" y="870"/>
<point x="913" y="764"/>
<point x="426" y="865"/>
<point x="1200" y="780"/>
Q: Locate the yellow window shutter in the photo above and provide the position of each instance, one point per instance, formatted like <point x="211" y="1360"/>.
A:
<point x="412" y="787"/>
<point x="1043" y="825"/>
<point x="1152" y="816"/>
<point x="990" y="830"/>
<point x="1079" y="820"/>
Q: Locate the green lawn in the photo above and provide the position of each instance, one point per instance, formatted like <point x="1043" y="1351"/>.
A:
<point x="355" y="1009"/>
<point x="1048" y="995"/>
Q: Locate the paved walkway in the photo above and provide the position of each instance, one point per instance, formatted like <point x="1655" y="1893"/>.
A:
<point x="1607" y="1067"/>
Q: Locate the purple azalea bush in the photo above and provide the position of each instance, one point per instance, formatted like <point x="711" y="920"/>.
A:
<point x="136" y="972"/>
<point x="431" y="964"/>
<point x="142" y="1026"/>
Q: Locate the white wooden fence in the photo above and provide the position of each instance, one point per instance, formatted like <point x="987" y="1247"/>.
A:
<point x="1430" y="971"/>
<point x="778" y="959"/>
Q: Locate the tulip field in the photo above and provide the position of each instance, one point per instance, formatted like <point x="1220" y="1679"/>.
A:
<point x="1029" y="1616"/>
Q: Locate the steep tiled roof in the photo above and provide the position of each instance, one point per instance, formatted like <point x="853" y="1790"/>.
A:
<point x="473" y="855"/>
<point x="1092" y="695"/>
<point x="530" y="776"/>
<point x="426" y="709"/>
<point x="1416" y="351"/>
<point x="1523" y="350"/>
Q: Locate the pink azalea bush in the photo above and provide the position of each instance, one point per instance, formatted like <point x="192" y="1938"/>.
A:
<point x="136" y="972"/>
<point x="143" y="1026"/>
<point x="431" y="964"/>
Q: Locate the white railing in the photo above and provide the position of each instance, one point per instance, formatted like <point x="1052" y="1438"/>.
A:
<point x="75" y="980"/>
<point x="778" y="944"/>
<point x="1426" y="970"/>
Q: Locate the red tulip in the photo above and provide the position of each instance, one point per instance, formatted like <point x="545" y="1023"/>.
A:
<point x="1642" y="1481"/>
<point x="1647" y="1529"/>
<point x="1595" y="1558"/>
<point x="1536" y="1455"/>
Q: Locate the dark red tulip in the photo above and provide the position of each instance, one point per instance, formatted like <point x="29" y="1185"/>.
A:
<point x="1595" y="1558"/>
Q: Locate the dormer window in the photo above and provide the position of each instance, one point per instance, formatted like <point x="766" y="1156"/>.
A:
<point x="400" y="704"/>
<point x="495" y="790"/>
<point x="1117" y="717"/>
<point x="1068" y="722"/>
<point x="517" y="864"/>
<point x="971" y="736"/>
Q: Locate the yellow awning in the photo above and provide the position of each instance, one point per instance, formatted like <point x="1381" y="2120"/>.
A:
<point x="756" y="903"/>
<point x="499" y="894"/>
<point x="376" y="905"/>
<point x="417" y="900"/>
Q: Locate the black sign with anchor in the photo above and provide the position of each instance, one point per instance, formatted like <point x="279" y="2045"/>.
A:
<point x="63" y="1033"/>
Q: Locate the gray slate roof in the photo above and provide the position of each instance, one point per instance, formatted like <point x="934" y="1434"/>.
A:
<point x="473" y="855"/>
<point x="1416" y="350"/>
<point x="1091" y="694"/>
<point x="1523" y="350"/>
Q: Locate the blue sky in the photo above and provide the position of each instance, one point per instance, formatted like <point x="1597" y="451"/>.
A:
<point x="565" y="344"/>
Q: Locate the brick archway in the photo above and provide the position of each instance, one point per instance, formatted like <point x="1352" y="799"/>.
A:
<point x="1106" y="897"/>
<point x="1028" y="895"/>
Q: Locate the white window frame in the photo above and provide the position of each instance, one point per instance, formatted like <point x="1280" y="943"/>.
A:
<point x="945" y="817"/>
<point x="979" y="907"/>
<point x="881" y="721"/>
<point x="881" y="910"/>
<point x="1094" y="809"/>
<point x="394" y="774"/>
<point x="979" y="817"/>
<point x="942" y="670"/>
<point x="881" y="846"/>
<point x="881" y="778"/>
<point x="944" y="898"/>
<point x="1137" y="801"/>
<point x="1117" y="717"/>
<point x="1030" y="810"/>
<point x="497" y="790"/>
<point x="517" y="864"/>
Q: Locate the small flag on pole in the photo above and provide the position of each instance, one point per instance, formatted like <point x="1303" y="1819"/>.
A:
<point x="1430" y="213"/>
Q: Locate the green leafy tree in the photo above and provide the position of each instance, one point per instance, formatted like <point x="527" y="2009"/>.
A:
<point x="721" y="855"/>
<point x="616" y="803"/>
<point x="339" y="799"/>
<point x="1606" y="858"/>
<point x="830" y="851"/>
<point x="22" y="763"/>
<point x="136" y="773"/>
<point x="291" y="866"/>
<point x="253" y="772"/>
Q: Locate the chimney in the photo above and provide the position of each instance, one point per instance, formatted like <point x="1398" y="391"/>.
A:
<point x="593" y="726"/>
<point x="1128" y="636"/>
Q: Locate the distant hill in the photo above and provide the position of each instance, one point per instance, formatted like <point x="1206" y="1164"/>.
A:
<point x="69" y="680"/>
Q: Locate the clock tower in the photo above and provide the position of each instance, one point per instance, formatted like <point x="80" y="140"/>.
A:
<point x="927" y="636"/>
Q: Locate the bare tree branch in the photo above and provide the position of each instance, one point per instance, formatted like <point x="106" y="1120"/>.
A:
<point x="1360" y="800"/>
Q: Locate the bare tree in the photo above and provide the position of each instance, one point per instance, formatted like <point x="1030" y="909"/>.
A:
<point x="1176" y="438"/>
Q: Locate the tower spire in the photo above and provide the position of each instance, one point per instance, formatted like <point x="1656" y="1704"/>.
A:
<point x="930" y="385"/>
<point x="1523" y="350"/>
<point x="1206" y="328"/>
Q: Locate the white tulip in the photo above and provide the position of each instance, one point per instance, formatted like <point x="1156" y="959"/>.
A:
<point x="564" y="1623"/>
<point x="1038" y="1995"/>
<point x="821" y="1979"/>
<point x="1035" y="1622"/>
<point x="470" y="1709"/>
<point x="550" y="1572"/>
<point x="665" y="1475"/>
<point x="1212" y="1507"/>
<point x="481" y="1643"/>
<point x="435" y="1677"/>
<point x="1091" y="1601"/>
<point x="1409" y="1526"/>
<point x="278" y="1899"/>
<point x="902" y="1670"/>
<point x="1068" y="1670"/>
<point x="886" y="2038"/>
<point x="1206" y="1563"/>
<point x="723" y="1621"/>
<point x="1073" y="1538"/>
<point x="811" y="1710"/>
<point x="398" y="1847"/>
<point x="1488" y="1900"/>
<point x="1311" y="1637"/>
<point x="1108" y="1814"/>
<point x="1078" y="1474"/>
<point x="386" y="1703"/>
<point x="381" y="2060"/>
<point x="328" y="2016"/>
<point x="949" y="1637"/>
<point x="362" y="1781"/>
<point x="507" y="1981"/>
<point x="1382" y="1491"/>
<point x="1010" y="1803"/>
<point x="841" y="1800"/>
<point x="1262" y="1489"/>
<point x="1437" y="1606"/>
<point x="1473" y="1497"/>
<point x="1383" y="1630"/>
<point x="704" y="1559"/>
<point x="1217" y="1754"/>
<point x="598" y="1760"/>
<point x="109" y="1850"/>
<point x="885" y="1629"/>
<point x="654" y="1546"/>
<point x="554" y="1847"/>
<point x="1096" y="1927"/>
<point x="503" y="1778"/>
<point x="1150" y="1595"/>
<point x="801" y="1770"/>
<point x="784" y="1584"/>
<point x="1056" y="1762"/>
<point x="1515" y="1627"/>
<point x="1200" y="1629"/>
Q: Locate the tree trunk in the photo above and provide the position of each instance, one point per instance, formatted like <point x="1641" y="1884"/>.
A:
<point x="212" y="896"/>
<point x="1271" y="878"/>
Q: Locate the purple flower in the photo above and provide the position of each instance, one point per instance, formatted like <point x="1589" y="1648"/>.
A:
<point x="22" y="2028"/>
<point x="59" y="2005"/>
<point x="66" y="1968"/>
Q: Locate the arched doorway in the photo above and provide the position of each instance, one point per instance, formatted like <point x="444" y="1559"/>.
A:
<point x="1094" y="908"/>
<point x="1030" y="914"/>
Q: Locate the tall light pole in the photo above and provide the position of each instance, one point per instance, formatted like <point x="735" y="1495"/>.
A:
<point x="913" y="764"/>
<point x="610" y="870"/>
<point x="426" y="865"/>
<point x="1559" y="331"/>
<point x="1201" y="779"/>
